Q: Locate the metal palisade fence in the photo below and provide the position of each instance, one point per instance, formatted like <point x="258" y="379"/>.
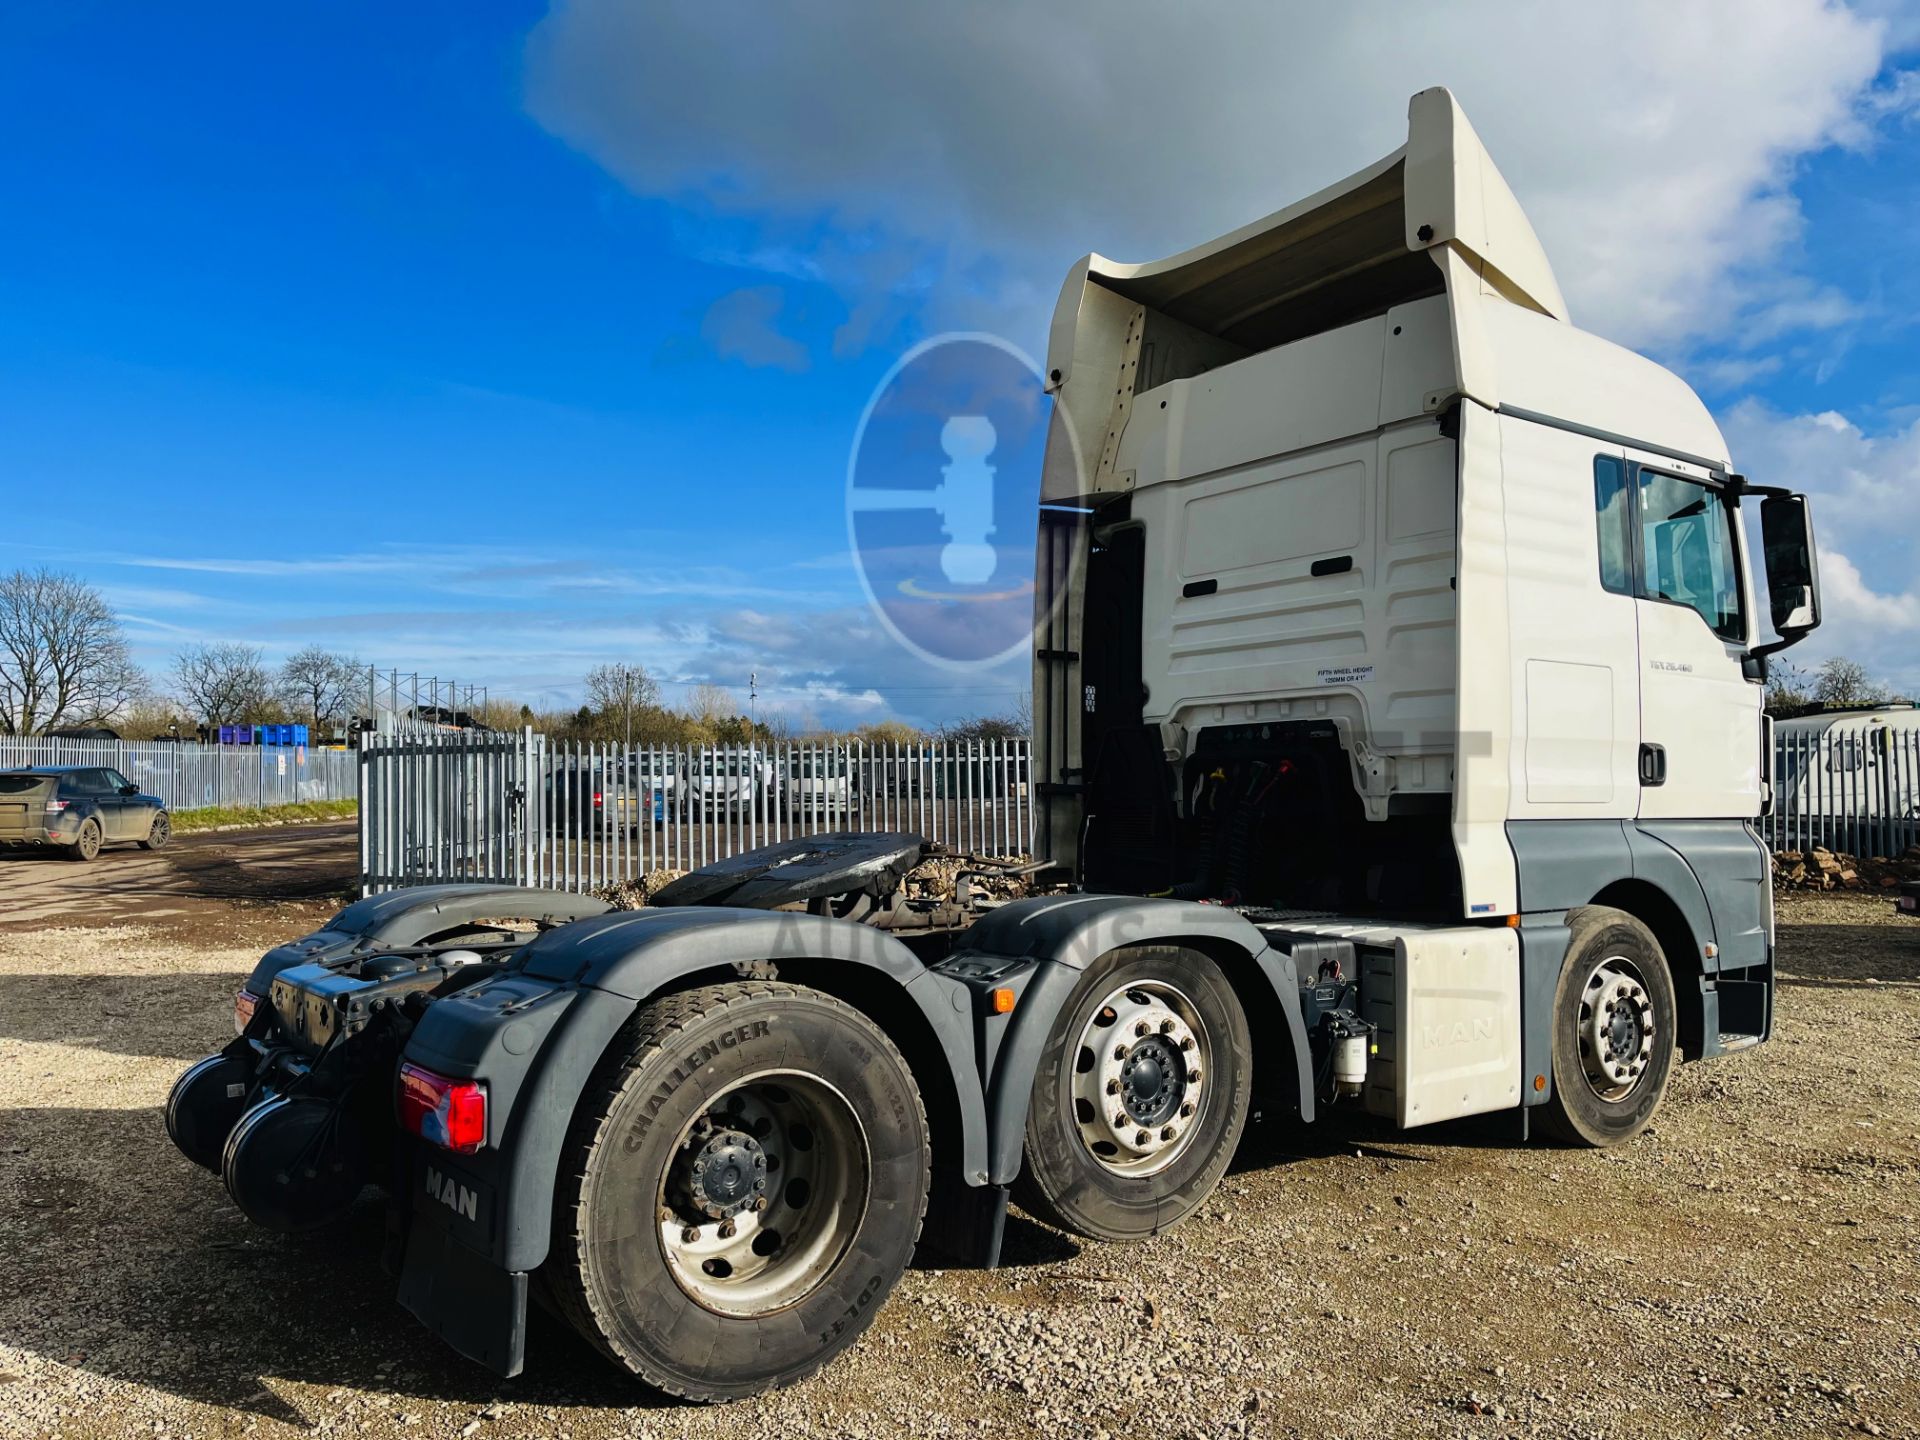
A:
<point x="1856" y="791"/>
<point x="523" y="809"/>
<point x="191" y="777"/>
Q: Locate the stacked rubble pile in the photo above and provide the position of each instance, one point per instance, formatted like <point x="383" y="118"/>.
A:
<point x="637" y="894"/>
<point x="1824" y="869"/>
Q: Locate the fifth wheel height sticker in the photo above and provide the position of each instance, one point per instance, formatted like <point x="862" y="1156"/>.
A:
<point x="1345" y="674"/>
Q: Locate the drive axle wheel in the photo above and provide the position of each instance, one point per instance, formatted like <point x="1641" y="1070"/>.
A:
<point x="744" y="1184"/>
<point x="1613" y="1030"/>
<point x="161" y="832"/>
<point x="1140" y="1096"/>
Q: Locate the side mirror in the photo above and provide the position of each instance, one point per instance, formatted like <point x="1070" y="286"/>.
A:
<point x="129" y="789"/>
<point x="1793" y="569"/>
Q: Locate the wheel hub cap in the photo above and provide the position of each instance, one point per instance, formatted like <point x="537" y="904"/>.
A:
<point x="727" y="1174"/>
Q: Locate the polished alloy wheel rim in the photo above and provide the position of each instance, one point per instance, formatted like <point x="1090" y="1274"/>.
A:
<point x="1140" y="1077"/>
<point x="1616" y="1028"/>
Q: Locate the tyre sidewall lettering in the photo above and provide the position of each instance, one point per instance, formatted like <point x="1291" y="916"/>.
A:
<point x="656" y="1316"/>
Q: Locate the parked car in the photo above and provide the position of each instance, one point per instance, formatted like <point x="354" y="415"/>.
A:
<point x="726" y="782"/>
<point x="819" y="785"/>
<point x="78" y="808"/>
<point x="582" y="796"/>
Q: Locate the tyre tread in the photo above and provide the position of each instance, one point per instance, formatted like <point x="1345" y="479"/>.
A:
<point x="653" y="1028"/>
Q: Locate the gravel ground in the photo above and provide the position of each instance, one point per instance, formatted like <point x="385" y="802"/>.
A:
<point x="1750" y="1266"/>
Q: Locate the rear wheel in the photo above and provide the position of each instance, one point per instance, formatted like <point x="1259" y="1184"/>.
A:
<point x="1613" y="1030"/>
<point x="87" y="847"/>
<point x="1140" y="1096"/>
<point x="745" y="1185"/>
<point x="159" y="834"/>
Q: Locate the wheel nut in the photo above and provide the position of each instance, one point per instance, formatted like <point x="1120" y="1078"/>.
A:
<point x="1167" y="1132"/>
<point x="1166" y="1026"/>
<point x="728" y="1230"/>
<point x="762" y="1203"/>
<point x="1186" y="1111"/>
<point x="1119" y="1120"/>
<point x="1119" y="1052"/>
<point x="690" y="1234"/>
<point x="666" y="1215"/>
<point x="1113" y="1087"/>
<point x="1141" y="1137"/>
<point x="1142" y="1028"/>
<point x="1186" y="1042"/>
<point x="1193" y="1077"/>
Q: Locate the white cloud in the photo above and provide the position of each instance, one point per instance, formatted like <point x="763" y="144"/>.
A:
<point x="983" y="147"/>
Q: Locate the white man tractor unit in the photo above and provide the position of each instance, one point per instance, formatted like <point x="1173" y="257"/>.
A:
<point x="1398" y="676"/>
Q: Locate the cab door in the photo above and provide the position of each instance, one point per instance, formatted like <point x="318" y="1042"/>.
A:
<point x="1699" y="715"/>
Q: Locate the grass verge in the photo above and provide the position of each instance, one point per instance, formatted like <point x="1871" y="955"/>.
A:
<point x="217" y="817"/>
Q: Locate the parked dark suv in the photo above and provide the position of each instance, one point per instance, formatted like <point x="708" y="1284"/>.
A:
<point x="79" y="808"/>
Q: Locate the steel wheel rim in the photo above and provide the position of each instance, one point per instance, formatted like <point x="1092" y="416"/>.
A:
<point x="746" y="1239"/>
<point x="1616" y="1028"/>
<point x="1140" y="1078"/>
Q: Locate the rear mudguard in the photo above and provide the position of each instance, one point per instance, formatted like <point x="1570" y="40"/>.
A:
<point x="535" y="1034"/>
<point x="1063" y="935"/>
<point x="399" y="918"/>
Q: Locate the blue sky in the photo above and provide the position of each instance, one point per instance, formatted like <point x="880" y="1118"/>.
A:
<point x="495" y="343"/>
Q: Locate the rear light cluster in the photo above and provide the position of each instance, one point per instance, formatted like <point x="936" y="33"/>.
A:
<point x="245" y="1002"/>
<point x="54" y="807"/>
<point x="449" y="1113"/>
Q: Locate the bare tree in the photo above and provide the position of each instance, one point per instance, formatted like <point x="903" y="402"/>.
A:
<point x="620" y="693"/>
<point x="223" y="683"/>
<point x="1845" y="682"/>
<point x="319" y="684"/>
<point x="712" y="705"/>
<point x="63" y="657"/>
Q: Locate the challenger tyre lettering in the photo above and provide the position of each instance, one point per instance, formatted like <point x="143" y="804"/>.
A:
<point x="742" y="1185"/>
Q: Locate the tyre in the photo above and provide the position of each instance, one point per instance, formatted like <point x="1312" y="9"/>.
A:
<point x="161" y="832"/>
<point x="1613" y="1030"/>
<point x="1140" y="1097"/>
<point x="87" y="847"/>
<point x="743" y="1186"/>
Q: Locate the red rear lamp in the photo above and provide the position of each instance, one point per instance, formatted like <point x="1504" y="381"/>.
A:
<point x="449" y="1113"/>
<point x="54" y="807"/>
<point x="245" y="1002"/>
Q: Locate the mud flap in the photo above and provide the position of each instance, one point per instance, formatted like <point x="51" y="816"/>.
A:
<point x="966" y="1223"/>
<point x="465" y="1299"/>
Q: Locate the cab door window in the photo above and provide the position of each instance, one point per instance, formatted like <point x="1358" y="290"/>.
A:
<point x="1687" y="554"/>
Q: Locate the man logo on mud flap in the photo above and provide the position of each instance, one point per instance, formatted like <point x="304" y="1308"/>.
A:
<point x="458" y="1198"/>
<point x="943" y="487"/>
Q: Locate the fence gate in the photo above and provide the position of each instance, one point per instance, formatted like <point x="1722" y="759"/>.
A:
<point x="447" y="806"/>
<point x="494" y="808"/>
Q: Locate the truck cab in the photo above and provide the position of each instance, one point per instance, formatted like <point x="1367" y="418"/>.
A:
<point x="1370" y="583"/>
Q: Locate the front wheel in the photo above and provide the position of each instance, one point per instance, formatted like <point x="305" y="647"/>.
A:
<point x="1140" y="1097"/>
<point x="1613" y="1030"/>
<point x="745" y="1185"/>
<point x="161" y="832"/>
